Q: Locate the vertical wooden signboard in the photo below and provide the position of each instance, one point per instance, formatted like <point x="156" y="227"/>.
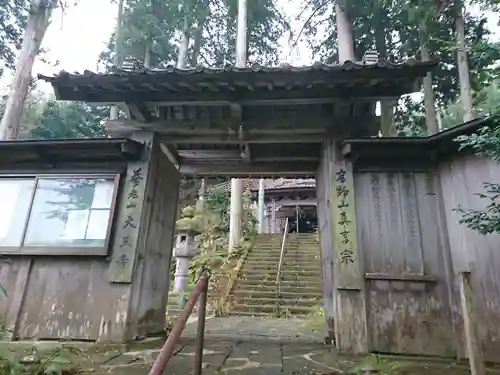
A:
<point x="345" y="241"/>
<point x="127" y="226"/>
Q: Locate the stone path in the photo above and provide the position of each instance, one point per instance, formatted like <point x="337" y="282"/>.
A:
<point x="243" y="346"/>
<point x="248" y="328"/>
<point x="264" y="346"/>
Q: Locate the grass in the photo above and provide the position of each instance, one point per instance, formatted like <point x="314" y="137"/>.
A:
<point x="55" y="362"/>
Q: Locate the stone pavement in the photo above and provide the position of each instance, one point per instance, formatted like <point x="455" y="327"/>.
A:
<point x="258" y="346"/>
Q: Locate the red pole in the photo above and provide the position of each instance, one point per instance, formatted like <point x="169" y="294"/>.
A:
<point x="175" y="334"/>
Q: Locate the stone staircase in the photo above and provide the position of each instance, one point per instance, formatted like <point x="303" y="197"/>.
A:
<point x="300" y="293"/>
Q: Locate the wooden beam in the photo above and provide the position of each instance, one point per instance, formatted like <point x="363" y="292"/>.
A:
<point x="171" y="153"/>
<point x="232" y="155"/>
<point x="253" y="139"/>
<point x="303" y="122"/>
<point x="346" y="90"/>
<point x="139" y="112"/>
<point x="241" y="169"/>
<point x="223" y="155"/>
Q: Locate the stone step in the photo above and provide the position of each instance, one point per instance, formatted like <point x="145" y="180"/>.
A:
<point x="283" y="301"/>
<point x="285" y="272"/>
<point x="286" y="294"/>
<point x="285" y="284"/>
<point x="249" y="313"/>
<point x="270" y="309"/>
<point x="277" y="247"/>
<point x="261" y="256"/>
<point x="313" y="266"/>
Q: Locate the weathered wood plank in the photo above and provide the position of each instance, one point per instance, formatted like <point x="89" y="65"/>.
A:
<point x="324" y="204"/>
<point x="17" y="282"/>
<point x="344" y="228"/>
<point x="351" y="332"/>
<point x="128" y="221"/>
<point x="410" y="220"/>
<point x="471" y="321"/>
<point x="405" y="308"/>
<point x="471" y="252"/>
<point x="151" y="282"/>
<point x="64" y="299"/>
<point x="436" y="330"/>
<point x="277" y="169"/>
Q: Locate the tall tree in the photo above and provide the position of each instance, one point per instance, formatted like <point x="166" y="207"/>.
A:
<point x="208" y="27"/>
<point x="406" y="36"/>
<point x="36" y="26"/>
<point x="117" y="59"/>
<point x="462" y="62"/>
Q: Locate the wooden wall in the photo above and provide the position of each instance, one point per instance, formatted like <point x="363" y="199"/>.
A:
<point x="401" y="238"/>
<point x="90" y="298"/>
<point x="411" y="248"/>
<point x="480" y="255"/>
<point x="51" y="297"/>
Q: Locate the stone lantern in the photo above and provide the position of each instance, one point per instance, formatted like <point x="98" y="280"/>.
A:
<point x="187" y="228"/>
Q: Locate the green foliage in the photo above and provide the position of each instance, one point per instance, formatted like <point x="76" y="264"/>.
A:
<point x="56" y="362"/>
<point x="13" y="16"/>
<point x="60" y="120"/>
<point x="393" y="29"/>
<point x="218" y="202"/>
<point x="212" y="214"/>
<point x="486" y="143"/>
<point x="376" y="364"/>
<point x="47" y="118"/>
<point x="154" y="27"/>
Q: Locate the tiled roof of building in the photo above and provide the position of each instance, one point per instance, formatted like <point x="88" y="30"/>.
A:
<point x="252" y="184"/>
<point x="155" y="84"/>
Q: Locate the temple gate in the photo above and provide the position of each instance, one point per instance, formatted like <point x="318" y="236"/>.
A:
<point x="387" y="286"/>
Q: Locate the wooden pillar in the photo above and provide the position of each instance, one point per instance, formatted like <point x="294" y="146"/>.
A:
<point x="472" y="339"/>
<point x="296" y="219"/>
<point x="261" y="206"/>
<point x="236" y="184"/>
<point x="235" y="213"/>
<point x="349" y="301"/>
<point x="142" y="245"/>
<point x="273" y="216"/>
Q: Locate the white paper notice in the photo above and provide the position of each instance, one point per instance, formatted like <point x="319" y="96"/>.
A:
<point x="9" y="192"/>
<point x="76" y="225"/>
<point x="103" y="195"/>
<point x="98" y="225"/>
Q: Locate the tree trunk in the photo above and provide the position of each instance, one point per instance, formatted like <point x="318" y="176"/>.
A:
<point x="198" y="35"/>
<point x="38" y="22"/>
<point x="463" y="66"/>
<point x="113" y="113"/>
<point x="345" y="38"/>
<point x="431" y="121"/>
<point x="387" y="126"/>
<point x="147" y="53"/>
<point x="242" y="34"/>
<point x="183" y="46"/>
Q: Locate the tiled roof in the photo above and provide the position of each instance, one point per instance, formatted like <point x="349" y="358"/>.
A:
<point x="252" y="184"/>
<point x="150" y="83"/>
<point x="140" y="70"/>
